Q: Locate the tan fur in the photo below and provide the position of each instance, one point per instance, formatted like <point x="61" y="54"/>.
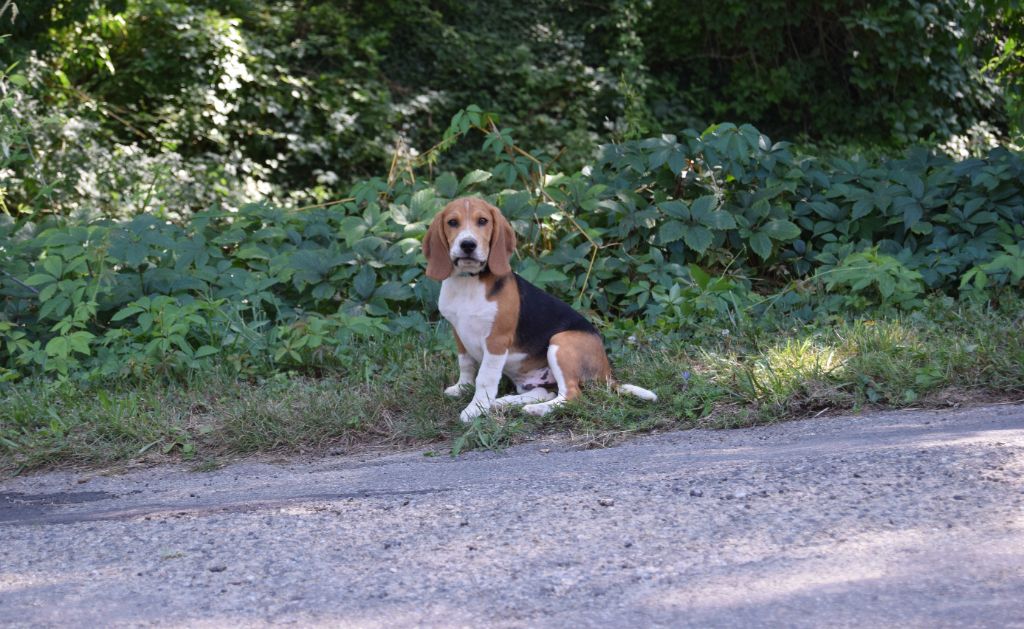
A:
<point x="459" y="345"/>
<point x="502" y="244"/>
<point x="581" y="358"/>
<point x="503" y="332"/>
<point x="530" y="363"/>
<point x="435" y="250"/>
<point x="495" y="236"/>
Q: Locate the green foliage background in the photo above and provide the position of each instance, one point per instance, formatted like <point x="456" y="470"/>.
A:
<point x="244" y="184"/>
<point x="178" y="105"/>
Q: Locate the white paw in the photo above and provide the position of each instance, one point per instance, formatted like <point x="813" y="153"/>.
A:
<point x="455" y="390"/>
<point x="471" y="412"/>
<point x="537" y="409"/>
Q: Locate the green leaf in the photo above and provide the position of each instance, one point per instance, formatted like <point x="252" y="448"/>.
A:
<point x="545" y="210"/>
<point x="699" y="276"/>
<point x="54" y="265"/>
<point x="532" y="272"/>
<point x="57" y="347"/>
<point x="323" y="290"/>
<point x="972" y="206"/>
<point x="39" y="279"/>
<point x="980" y="279"/>
<point x="671" y="232"/>
<point x="719" y="219"/>
<point x="423" y="205"/>
<point x="761" y="244"/>
<point x="365" y="281"/>
<point x="862" y="208"/>
<point x="676" y="209"/>
<point x="827" y="210"/>
<point x="251" y="251"/>
<point x="446" y="185"/>
<point x="912" y="213"/>
<point x="703" y="205"/>
<point x="922" y="227"/>
<point x="698" y="238"/>
<point x="472" y="178"/>
<point x="394" y="291"/>
<point x="551" y="275"/>
<point x="79" y="341"/>
<point x="48" y="292"/>
<point x="886" y="285"/>
<point x="134" y="253"/>
<point x="914" y="185"/>
<point x="780" y="229"/>
<point x="205" y="350"/>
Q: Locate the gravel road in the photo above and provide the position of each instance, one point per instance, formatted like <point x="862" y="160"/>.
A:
<point x="912" y="519"/>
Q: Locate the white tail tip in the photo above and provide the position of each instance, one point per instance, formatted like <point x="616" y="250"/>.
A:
<point x="639" y="392"/>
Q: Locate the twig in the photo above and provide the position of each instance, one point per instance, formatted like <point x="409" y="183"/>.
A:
<point x="590" y="267"/>
<point x="20" y="283"/>
<point x="324" y="204"/>
<point x="107" y="110"/>
<point x="509" y="148"/>
<point x="13" y="7"/>
<point x="390" y="171"/>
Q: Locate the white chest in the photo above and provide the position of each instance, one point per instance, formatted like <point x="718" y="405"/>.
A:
<point x="463" y="302"/>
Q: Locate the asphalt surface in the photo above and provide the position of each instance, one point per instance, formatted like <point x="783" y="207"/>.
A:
<point x="911" y="519"/>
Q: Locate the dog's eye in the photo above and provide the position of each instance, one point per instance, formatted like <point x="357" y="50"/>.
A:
<point x="453" y="223"/>
<point x="481" y="221"/>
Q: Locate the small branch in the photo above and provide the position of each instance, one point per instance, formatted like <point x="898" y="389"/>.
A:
<point x="108" y="111"/>
<point x="394" y="165"/>
<point x="20" y="283"/>
<point x="324" y="204"/>
<point x="590" y="267"/>
<point x="509" y="149"/>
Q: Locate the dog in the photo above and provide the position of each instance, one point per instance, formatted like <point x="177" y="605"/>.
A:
<point x="503" y="325"/>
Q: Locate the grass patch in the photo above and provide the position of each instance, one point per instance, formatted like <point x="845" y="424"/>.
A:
<point x="390" y="393"/>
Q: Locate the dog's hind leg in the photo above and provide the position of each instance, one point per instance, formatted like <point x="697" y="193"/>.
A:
<point x="574" y="357"/>
<point x="538" y="394"/>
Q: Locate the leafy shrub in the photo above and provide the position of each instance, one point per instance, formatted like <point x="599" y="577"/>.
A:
<point x="1005" y="269"/>
<point x="168" y="107"/>
<point x="667" y="231"/>
<point x="826" y="68"/>
<point x="869" y="278"/>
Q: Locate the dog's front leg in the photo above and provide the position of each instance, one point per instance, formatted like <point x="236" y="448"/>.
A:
<point x="487" y="379"/>
<point x="466" y="367"/>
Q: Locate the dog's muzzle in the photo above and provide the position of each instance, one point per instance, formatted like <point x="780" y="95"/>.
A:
<point x="466" y="254"/>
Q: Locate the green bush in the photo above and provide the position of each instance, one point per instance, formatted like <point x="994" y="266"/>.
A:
<point x="168" y="107"/>
<point x="870" y="279"/>
<point x="889" y="71"/>
<point x="666" y="231"/>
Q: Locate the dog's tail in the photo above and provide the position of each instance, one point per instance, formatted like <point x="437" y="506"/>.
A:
<point x="640" y="392"/>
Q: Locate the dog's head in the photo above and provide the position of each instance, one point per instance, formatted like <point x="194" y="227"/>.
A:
<point x="466" y="236"/>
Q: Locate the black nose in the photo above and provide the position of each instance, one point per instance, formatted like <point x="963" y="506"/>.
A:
<point x="468" y="246"/>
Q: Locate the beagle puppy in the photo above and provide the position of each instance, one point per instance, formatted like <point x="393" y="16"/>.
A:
<point x="502" y="323"/>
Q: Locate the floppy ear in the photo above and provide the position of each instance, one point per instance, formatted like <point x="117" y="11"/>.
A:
<point x="503" y="243"/>
<point x="435" y="250"/>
